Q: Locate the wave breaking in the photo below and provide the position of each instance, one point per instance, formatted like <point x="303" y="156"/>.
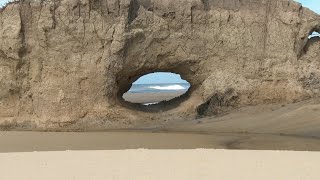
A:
<point x="170" y="87"/>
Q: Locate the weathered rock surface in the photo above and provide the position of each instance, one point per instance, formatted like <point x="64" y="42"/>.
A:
<point x="64" y="64"/>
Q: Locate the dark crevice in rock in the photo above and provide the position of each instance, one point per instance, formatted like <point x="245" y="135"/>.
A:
<point x="147" y="4"/>
<point x="218" y="104"/>
<point x="104" y="9"/>
<point x="25" y="13"/>
<point x="312" y="81"/>
<point x="22" y="50"/>
<point x="206" y="4"/>
<point x="40" y="10"/>
<point x="133" y="10"/>
<point x="56" y="4"/>
<point x="307" y="41"/>
<point x="265" y="29"/>
<point x="169" y="15"/>
<point x="191" y="14"/>
<point x="79" y="8"/>
<point x="100" y="6"/>
<point x="119" y="8"/>
<point x="23" y="65"/>
<point x="95" y="5"/>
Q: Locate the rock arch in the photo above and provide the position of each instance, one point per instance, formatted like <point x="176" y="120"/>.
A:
<point x="309" y="39"/>
<point x="162" y="105"/>
<point x="76" y="57"/>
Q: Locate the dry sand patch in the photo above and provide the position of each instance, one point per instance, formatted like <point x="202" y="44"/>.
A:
<point x="160" y="164"/>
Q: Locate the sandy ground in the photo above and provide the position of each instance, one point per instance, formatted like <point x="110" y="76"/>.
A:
<point x="160" y="164"/>
<point x="106" y="155"/>
<point x="267" y="127"/>
<point x="300" y="119"/>
<point x="61" y="141"/>
<point x="144" y="98"/>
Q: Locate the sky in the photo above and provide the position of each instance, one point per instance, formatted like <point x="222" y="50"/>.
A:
<point x="175" y="78"/>
<point x="160" y="78"/>
<point x="3" y="2"/>
<point x="311" y="4"/>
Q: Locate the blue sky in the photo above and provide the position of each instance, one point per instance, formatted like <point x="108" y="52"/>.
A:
<point x="3" y="2"/>
<point x="160" y="77"/>
<point x="174" y="78"/>
<point x="311" y="4"/>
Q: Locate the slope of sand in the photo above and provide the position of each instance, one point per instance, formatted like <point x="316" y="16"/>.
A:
<point x="300" y="119"/>
<point x="160" y="164"/>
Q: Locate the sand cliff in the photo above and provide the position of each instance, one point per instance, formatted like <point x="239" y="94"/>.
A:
<point x="64" y="64"/>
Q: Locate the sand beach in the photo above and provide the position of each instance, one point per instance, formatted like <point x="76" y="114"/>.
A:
<point x="160" y="164"/>
<point x="246" y="141"/>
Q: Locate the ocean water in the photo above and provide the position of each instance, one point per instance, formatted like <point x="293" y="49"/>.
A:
<point x="158" y="88"/>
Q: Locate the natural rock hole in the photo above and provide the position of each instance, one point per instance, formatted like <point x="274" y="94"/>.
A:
<point x="157" y="91"/>
<point x="314" y="34"/>
<point x="313" y="37"/>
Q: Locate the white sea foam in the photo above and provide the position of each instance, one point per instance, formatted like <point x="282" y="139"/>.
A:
<point x="147" y="104"/>
<point x="170" y="87"/>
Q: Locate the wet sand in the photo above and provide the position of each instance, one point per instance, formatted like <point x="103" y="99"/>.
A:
<point x="144" y="98"/>
<point x="266" y="127"/>
<point x="62" y="141"/>
<point x="173" y="149"/>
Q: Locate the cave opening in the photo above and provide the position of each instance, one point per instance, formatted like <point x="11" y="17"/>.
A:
<point x="156" y="91"/>
<point x="313" y="34"/>
<point x="312" y="37"/>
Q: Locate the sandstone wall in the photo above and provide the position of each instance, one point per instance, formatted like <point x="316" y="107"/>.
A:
<point x="64" y="64"/>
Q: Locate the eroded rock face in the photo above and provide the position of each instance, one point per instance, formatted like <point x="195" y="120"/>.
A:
<point x="64" y="64"/>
